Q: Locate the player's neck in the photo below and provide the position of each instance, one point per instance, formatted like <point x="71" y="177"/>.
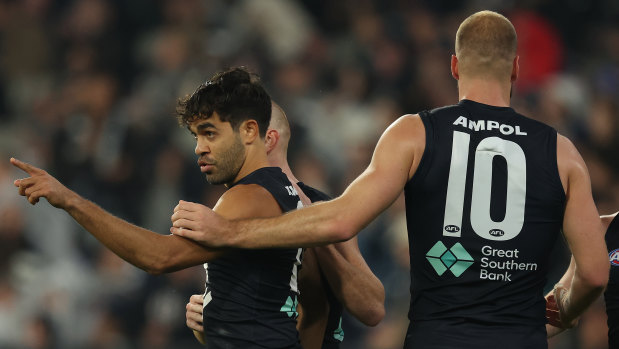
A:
<point x="256" y="159"/>
<point x="486" y="91"/>
<point x="288" y="172"/>
<point x="279" y="160"/>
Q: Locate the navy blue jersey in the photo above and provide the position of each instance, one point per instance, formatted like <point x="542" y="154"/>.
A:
<point x="313" y="194"/>
<point x="483" y="210"/>
<point x="611" y="294"/>
<point x="334" y="334"/>
<point x="251" y="295"/>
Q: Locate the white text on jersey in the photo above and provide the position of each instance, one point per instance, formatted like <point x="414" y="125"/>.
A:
<point x="489" y="125"/>
<point x="291" y="190"/>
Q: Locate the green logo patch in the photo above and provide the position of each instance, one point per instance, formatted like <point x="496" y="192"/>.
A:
<point x="456" y="259"/>
<point x="290" y="307"/>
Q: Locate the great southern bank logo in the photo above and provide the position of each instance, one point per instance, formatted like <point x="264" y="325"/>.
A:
<point x="456" y="259"/>
<point x="613" y="256"/>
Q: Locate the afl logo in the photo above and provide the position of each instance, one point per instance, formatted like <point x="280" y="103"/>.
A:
<point x="496" y="232"/>
<point x="614" y="258"/>
<point x="452" y="228"/>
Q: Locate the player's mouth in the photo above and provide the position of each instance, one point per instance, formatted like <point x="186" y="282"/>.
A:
<point x="205" y="166"/>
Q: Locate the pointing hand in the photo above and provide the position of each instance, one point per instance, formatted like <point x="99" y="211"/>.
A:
<point x="41" y="184"/>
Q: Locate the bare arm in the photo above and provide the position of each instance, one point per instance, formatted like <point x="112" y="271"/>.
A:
<point x="147" y="250"/>
<point x="554" y="326"/>
<point x="313" y="305"/>
<point x="143" y="248"/>
<point x="584" y="233"/>
<point x="566" y="279"/>
<point x="395" y="160"/>
<point x="352" y="281"/>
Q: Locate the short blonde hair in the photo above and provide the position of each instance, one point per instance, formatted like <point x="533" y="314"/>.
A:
<point x="486" y="45"/>
<point x="279" y="122"/>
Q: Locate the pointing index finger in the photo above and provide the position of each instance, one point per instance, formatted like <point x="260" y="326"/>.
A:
<point x="31" y="170"/>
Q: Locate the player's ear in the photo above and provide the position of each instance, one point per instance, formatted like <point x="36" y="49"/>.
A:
<point x="454" y="67"/>
<point x="249" y="131"/>
<point x="515" y="68"/>
<point x="271" y="139"/>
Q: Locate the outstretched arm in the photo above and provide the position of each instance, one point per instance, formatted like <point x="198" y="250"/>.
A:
<point x="143" y="248"/>
<point x="394" y="161"/>
<point x="352" y="281"/>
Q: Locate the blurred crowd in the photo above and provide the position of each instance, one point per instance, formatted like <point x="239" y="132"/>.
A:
<point x="88" y="90"/>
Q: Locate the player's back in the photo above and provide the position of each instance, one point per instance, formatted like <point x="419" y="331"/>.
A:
<point x="611" y="294"/>
<point x="251" y="295"/>
<point x="484" y="209"/>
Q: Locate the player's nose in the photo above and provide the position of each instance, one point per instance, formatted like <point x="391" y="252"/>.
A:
<point x="202" y="148"/>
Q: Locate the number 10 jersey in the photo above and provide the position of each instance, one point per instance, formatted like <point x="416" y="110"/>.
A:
<point x="484" y="209"/>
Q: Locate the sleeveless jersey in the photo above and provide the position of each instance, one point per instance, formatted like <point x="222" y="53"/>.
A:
<point x="251" y="295"/>
<point x="483" y="210"/>
<point x="611" y="294"/>
<point x="334" y="334"/>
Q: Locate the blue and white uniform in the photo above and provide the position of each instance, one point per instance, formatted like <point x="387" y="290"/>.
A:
<point x="483" y="209"/>
<point x="251" y="295"/>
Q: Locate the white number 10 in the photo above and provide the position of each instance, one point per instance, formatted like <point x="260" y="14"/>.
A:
<point x="482" y="223"/>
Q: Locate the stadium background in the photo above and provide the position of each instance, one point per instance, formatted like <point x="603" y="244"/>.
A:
<point x="88" y="89"/>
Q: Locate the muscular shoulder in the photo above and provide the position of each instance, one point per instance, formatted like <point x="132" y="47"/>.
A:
<point x="571" y="165"/>
<point x="567" y="153"/>
<point x="409" y="135"/>
<point x="247" y="201"/>
<point x="407" y="125"/>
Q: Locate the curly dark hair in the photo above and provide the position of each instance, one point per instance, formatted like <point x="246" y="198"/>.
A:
<point x="235" y="94"/>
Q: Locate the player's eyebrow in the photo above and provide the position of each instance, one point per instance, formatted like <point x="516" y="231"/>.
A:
<point x="205" y="125"/>
<point x="201" y="127"/>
